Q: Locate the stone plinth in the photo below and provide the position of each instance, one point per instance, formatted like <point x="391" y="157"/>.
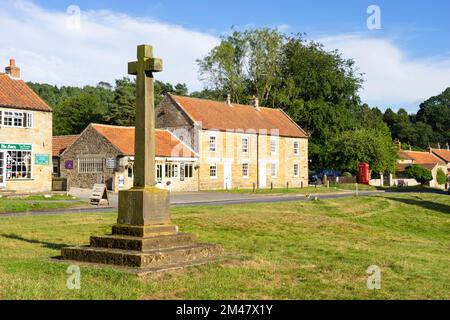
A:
<point x="144" y="206"/>
<point x="147" y="249"/>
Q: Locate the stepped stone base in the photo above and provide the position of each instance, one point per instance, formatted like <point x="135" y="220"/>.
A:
<point x="145" y="247"/>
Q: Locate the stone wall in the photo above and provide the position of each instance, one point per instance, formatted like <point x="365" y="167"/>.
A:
<point x="170" y="117"/>
<point x="40" y="137"/>
<point x="90" y="144"/>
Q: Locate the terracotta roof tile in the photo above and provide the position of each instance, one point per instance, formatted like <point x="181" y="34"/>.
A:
<point x="14" y="93"/>
<point x="167" y="145"/>
<point x="220" y="116"/>
<point x="61" y="143"/>
<point x="420" y="157"/>
<point x="443" y="154"/>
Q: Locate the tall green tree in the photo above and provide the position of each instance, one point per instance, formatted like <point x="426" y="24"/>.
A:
<point x="77" y="112"/>
<point x="436" y="112"/>
<point x="373" y="146"/>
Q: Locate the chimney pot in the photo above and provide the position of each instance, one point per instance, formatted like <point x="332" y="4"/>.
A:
<point x="447" y="146"/>
<point x="256" y="102"/>
<point x="12" y="70"/>
<point x="229" y="99"/>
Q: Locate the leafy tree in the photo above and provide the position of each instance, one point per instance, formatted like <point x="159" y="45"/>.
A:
<point x="77" y="112"/>
<point x="373" y="146"/>
<point x="441" y="177"/>
<point x="122" y="112"/>
<point x="436" y="113"/>
<point x="420" y="174"/>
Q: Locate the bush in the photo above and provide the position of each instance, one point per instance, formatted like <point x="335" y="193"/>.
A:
<point x="347" y="174"/>
<point x="421" y="174"/>
<point x="441" y="177"/>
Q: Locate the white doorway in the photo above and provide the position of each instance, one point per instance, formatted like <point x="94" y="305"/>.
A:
<point x="227" y="176"/>
<point x="262" y="174"/>
<point x="2" y="169"/>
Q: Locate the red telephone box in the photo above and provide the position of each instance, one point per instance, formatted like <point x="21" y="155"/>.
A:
<point x="363" y="173"/>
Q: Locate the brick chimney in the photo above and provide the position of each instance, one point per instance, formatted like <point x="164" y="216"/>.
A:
<point x="256" y="103"/>
<point x="12" y="70"/>
<point x="229" y="100"/>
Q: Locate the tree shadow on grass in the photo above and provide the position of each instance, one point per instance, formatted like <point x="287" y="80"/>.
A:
<point x="45" y="244"/>
<point x="424" y="204"/>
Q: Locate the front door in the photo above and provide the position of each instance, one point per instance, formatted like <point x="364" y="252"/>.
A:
<point x="2" y="169"/>
<point x="262" y="174"/>
<point x="227" y="178"/>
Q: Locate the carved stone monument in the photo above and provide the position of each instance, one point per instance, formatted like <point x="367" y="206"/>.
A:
<point x="144" y="237"/>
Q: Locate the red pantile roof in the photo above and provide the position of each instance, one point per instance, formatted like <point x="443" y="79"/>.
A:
<point x="61" y="143"/>
<point x="420" y="157"/>
<point x="14" y="93"/>
<point x="214" y="115"/>
<point x="167" y="145"/>
<point x="443" y="154"/>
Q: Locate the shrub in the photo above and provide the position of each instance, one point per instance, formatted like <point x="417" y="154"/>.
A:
<point x="441" y="177"/>
<point x="421" y="174"/>
<point x="347" y="174"/>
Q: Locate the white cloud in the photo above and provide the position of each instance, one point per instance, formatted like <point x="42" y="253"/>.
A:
<point x="391" y="78"/>
<point x="49" y="50"/>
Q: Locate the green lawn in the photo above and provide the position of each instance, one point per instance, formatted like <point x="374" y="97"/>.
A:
<point x="295" y="250"/>
<point x="33" y="203"/>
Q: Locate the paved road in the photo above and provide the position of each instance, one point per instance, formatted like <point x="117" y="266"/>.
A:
<point x="197" y="198"/>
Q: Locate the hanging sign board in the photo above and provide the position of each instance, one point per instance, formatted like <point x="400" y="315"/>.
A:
<point x="99" y="195"/>
<point x="110" y="163"/>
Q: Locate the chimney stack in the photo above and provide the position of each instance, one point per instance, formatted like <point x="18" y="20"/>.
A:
<point x="229" y="99"/>
<point x="256" y="103"/>
<point x="447" y="147"/>
<point x="12" y="70"/>
<point x="439" y="146"/>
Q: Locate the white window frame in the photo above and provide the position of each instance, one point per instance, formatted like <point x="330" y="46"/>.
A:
<point x="26" y="119"/>
<point x="296" y="148"/>
<point x="190" y="170"/>
<point x="90" y="165"/>
<point x="274" y="169"/>
<point x="245" y="170"/>
<point x="213" y="145"/>
<point x="273" y="145"/>
<point x="245" y="150"/>
<point x="171" y="170"/>
<point x="8" y="161"/>
<point x="296" y="168"/>
<point x="211" y="166"/>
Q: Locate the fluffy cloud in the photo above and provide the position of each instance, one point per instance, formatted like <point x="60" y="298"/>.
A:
<point x="391" y="78"/>
<point x="52" y="47"/>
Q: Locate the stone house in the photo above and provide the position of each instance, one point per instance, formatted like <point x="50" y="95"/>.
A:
<point x="444" y="155"/>
<point x="426" y="160"/>
<point x="239" y="146"/>
<point x="105" y="154"/>
<point x="25" y="136"/>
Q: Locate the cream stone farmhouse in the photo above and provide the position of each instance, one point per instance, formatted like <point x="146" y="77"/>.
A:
<point x="25" y="136"/>
<point x="239" y="146"/>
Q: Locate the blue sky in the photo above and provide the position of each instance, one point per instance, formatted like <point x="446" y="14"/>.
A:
<point x="405" y="62"/>
<point x="423" y="26"/>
